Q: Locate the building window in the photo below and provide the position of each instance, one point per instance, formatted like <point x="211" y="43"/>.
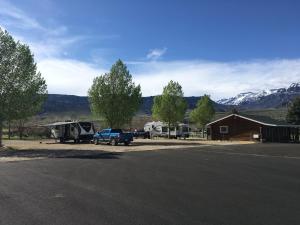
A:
<point x="224" y="129"/>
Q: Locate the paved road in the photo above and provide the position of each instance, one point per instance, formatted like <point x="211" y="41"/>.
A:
<point x="209" y="186"/>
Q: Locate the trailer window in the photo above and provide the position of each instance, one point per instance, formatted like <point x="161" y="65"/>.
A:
<point x="86" y="126"/>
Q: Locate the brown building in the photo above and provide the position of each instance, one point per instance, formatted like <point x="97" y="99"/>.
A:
<point x="249" y="128"/>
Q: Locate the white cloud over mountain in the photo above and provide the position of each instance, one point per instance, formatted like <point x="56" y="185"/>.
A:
<point x="218" y="79"/>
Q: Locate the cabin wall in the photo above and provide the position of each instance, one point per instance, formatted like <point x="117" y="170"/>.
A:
<point x="238" y="129"/>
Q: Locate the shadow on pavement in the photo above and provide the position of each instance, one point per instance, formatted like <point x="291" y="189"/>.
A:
<point x="78" y="154"/>
<point x="165" y="143"/>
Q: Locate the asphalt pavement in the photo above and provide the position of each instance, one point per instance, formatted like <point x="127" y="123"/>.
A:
<point x="238" y="185"/>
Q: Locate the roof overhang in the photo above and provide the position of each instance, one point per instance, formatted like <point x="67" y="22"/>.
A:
<point x="253" y="120"/>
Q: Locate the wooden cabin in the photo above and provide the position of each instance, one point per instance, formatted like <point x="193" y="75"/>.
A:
<point x="252" y="128"/>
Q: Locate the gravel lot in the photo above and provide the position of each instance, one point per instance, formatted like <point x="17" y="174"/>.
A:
<point x="19" y="150"/>
<point x="137" y="145"/>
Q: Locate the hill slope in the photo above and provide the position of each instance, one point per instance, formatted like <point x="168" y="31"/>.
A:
<point x="71" y="103"/>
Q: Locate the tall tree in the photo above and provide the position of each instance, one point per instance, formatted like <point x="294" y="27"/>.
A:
<point x="203" y="113"/>
<point x="30" y="89"/>
<point x="114" y="96"/>
<point x="170" y="107"/>
<point x="293" y="115"/>
<point x="7" y="55"/>
<point x="22" y="89"/>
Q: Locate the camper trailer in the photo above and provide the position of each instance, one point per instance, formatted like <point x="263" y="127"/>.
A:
<point x="156" y="129"/>
<point x="76" y="131"/>
<point x="181" y="130"/>
<point x="160" y="129"/>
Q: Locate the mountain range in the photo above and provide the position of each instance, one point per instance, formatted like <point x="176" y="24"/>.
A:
<point x="56" y="103"/>
<point x="274" y="98"/>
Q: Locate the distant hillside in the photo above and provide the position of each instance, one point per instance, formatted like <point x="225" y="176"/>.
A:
<point x="71" y="103"/>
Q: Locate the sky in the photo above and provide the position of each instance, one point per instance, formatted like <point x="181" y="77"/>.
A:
<point x="214" y="47"/>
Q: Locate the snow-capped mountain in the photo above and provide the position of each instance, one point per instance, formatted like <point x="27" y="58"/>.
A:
<point x="242" y="97"/>
<point x="264" y="99"/>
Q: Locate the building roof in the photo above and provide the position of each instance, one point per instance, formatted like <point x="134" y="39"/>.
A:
<point x="264" y="120"/>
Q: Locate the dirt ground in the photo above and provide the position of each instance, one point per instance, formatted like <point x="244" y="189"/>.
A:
<point x="16" y="150"/>
<point x="19" y="150"/>
<point x="136" y="145"/>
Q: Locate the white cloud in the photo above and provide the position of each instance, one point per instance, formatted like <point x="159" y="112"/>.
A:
<point x="217" y="79"/>
<point x="196" y="77"/>
<point x="65" y="76"/>
<point x="156" y="53"/>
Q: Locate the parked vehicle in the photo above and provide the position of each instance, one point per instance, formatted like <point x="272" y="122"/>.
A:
<point x="113" y="137"/>
<point x="160" y="129"/>
<point x="141" y="134"/>
<point x="77" y="131"/>
<point x="156" y="128"/>
<point x="180" y="131"/>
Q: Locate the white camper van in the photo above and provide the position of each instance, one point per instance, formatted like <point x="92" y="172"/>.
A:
<point x="160" y="129"/>
<point x="77" y="131"/>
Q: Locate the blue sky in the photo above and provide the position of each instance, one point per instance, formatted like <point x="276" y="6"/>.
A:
<point x="216" y="47"/>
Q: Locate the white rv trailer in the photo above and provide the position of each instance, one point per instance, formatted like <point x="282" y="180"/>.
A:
<point x="160" y="129"/>
<point x="156" y="129"/>
<point x="77" y="131"/>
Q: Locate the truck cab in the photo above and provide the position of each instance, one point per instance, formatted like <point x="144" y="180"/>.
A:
<point x="113" y="137"/>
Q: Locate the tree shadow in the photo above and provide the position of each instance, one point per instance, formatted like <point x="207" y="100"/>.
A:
<point x="76" y="154"/>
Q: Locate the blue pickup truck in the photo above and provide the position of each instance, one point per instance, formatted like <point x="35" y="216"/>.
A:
<point x="113" y="137"/>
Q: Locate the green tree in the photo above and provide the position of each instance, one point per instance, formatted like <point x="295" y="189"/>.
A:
<point x="30" y="88"/>
<point x="22" y="89"/>
<point x="114" y="96"/>
<point x="7" y="55"/>
<point x="203" y="113"/>
<point x="170" y="107"/>
<point x="293" y="115"/>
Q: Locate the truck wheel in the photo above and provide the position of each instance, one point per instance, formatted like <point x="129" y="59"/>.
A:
<point x="96" y="141"/>
<point x="126" y="143"/>
<point x="114" y="142"/>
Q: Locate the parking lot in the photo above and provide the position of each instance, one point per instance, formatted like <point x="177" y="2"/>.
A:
<point x="208" y="184"/>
